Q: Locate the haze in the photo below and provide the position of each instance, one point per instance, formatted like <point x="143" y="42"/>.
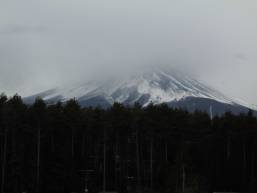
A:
<point x="47" y="43"/>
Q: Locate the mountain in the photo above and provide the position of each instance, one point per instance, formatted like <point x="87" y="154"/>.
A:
<point x="157" y="87"/>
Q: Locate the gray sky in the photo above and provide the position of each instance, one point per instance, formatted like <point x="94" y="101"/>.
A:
<point x="46" y="43"/>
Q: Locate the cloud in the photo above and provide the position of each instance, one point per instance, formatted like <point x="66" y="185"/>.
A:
<point x="19" y="29"/>
<point x="47" y="43"/>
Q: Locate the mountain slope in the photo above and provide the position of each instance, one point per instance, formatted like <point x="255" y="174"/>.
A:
<point x="155" y="87"/>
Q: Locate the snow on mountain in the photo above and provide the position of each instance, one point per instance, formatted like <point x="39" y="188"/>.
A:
<point x="151" y="87"/>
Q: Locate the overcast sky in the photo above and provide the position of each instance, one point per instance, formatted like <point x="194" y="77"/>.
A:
<point x="46" y="43"/>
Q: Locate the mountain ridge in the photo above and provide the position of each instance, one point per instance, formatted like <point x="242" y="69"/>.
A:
<point x="154" y="87"/>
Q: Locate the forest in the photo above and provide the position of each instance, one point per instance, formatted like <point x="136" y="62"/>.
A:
<point x="64" y="148"/>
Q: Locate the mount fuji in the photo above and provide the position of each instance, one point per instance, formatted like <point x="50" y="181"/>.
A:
<point x="157" y="87"/>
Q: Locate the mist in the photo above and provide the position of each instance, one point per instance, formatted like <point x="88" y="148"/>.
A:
<point x="48" y="43"/>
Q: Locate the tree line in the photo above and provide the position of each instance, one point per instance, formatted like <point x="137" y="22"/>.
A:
<point x="63" y="148"/>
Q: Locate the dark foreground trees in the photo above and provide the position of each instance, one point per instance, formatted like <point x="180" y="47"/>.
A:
<point x="65" y="148"/>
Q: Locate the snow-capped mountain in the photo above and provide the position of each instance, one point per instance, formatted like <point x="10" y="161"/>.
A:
<point x="157" y="87"/>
